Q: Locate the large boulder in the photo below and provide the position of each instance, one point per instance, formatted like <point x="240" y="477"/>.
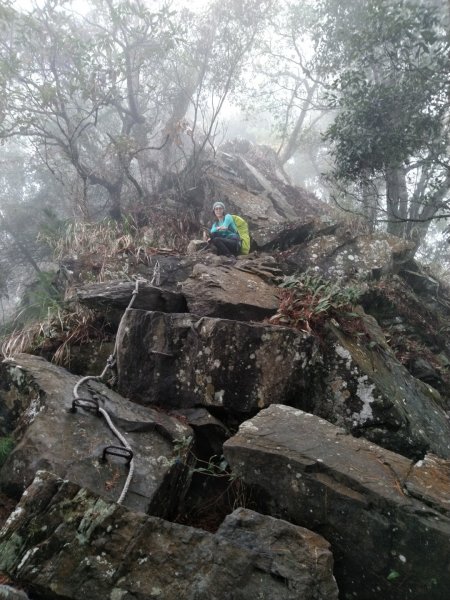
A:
<point x="251" y="184"/>
<point x="229" y="293"/>
<point x="387" y="519"/>
<point x="49" y="436"/>
<point x="111" y="298"/>
<point x="181" y="361"/>
<point x="244" y="187"/>
<point x="67" y="543"/>
<point x="348" y="254"/>
<point x="370" y="393"/>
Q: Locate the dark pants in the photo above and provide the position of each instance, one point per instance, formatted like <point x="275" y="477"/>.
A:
<point x="226" y="246"/>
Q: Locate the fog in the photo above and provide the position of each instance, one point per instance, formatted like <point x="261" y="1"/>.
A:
<point x="104" y="103"/>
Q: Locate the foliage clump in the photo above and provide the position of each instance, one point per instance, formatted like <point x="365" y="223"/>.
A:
<point x="307" y="301"/>
<point x="6" y="447"/>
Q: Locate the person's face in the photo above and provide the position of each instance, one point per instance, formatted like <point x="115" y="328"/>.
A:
<point x="218" y="211"/>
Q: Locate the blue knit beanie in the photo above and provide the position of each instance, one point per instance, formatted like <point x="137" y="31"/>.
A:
<point x="216" y="204"/>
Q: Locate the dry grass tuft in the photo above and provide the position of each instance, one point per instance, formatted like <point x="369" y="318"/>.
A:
<point x="99" y="252"/>
<point x="56" y="335"/>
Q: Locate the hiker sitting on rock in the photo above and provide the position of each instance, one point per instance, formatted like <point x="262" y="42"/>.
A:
<point x="224" y="234"/>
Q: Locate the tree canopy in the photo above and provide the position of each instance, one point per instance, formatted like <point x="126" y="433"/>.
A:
<point x="100" y="96"/>
<point x="388" y="67"/>
<point x="125" y="99"/>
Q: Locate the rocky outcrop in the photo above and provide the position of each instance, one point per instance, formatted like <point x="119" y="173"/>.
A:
<point x="370" y="393"/>
<point x="348" y="254"/>
<point x="389" y="533"/>
<point x="181" y="361"/>
<point x="193" y="365"/>
<point x="118" y="294"/>
<point x="251" y="185"/>
<point x="353" y="380"/>
<point x="64" y="542"/>
<point x="241" y="185"/>
<point x="229" y="293"/>
<point x="48" y="436"/>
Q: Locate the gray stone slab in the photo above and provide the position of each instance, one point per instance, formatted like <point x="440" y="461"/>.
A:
<point x="181" y="361"/>
<point x="67" y="543"/>
<point x="386" y="543"/>
<point x="49" y="436"/>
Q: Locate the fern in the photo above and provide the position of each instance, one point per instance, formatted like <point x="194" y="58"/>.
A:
<point x="308" y="300"/>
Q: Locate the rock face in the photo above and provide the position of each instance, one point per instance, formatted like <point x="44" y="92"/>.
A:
<point x="229" y="293"/>
<point x="181" y="361"/>
<point x="412" y="309"/>
<point x="117" y="294"/>
<point x="64" y="542"/>
<point x="370" y="393"/>
<point x="249" y="184"/>
<point x="49" y="436"/>
<point x="247" y="191"/>
<point x="388" y="520"/>
<point x="194" y="364"/>
<point x="347" y="253"/>
<point x="249" y="179"/>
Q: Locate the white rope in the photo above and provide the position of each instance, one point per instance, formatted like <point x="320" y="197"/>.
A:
<point x="109" y="364"/>
<point x="125" y="443"/>
<point x="156" y="279"/>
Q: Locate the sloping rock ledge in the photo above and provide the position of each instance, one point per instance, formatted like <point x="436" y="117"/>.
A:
<point x="66" y="543"/>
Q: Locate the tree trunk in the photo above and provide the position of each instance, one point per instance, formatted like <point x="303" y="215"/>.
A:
<point x="293" y="141"/>
<point x="370" y="203"/>
<point x="115" y="193"/>
<point x="396" y="201"/>
<point x="425" y="209"/>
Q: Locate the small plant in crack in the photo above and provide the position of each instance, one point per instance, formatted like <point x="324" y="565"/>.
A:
<point x="215" y="466"/>
<point x="307" y="301"/>
<point x="214" y="491"/>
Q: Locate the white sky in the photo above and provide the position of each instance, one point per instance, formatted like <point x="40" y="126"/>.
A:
<point x="83" y="6"/>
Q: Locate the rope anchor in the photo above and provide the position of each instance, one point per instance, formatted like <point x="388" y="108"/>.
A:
<point x="89" y="404"/>
<point x="92" y="405"/>
<point x="120" y="451"/>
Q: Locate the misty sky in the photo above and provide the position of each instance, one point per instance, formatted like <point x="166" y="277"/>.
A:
<point x="83" y="6"/>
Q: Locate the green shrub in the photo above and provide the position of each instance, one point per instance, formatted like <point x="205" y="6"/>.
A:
<point x="6" y="447"/>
